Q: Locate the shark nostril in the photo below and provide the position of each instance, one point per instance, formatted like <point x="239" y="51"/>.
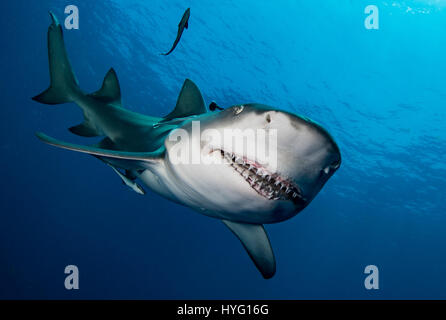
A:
<point x="332" y="167"/>
<point x="335" y="164"/>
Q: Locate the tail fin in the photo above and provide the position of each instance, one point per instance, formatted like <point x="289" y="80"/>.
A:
<point x="64" y="86"/>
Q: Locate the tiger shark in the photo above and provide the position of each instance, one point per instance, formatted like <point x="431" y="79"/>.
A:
<point x="242" y="190"/>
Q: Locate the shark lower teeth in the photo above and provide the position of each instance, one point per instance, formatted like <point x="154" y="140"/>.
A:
<point x="269" y="185"/>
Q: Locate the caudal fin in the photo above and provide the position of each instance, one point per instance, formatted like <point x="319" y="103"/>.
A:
<point x="64" y="86"/>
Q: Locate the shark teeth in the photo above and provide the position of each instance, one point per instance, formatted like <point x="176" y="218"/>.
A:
<point x="270" y="185"/>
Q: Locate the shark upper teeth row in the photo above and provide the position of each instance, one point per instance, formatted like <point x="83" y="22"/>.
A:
<point x="269" y="185"/>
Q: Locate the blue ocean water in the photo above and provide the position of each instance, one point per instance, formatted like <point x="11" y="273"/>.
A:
<point x="381" y="94"/>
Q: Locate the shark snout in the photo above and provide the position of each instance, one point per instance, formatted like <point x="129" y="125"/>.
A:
<point x="333" y="159"/>
<point x="310" y="154"/>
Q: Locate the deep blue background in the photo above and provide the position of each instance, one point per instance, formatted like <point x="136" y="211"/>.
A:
<point x="381" y="93"/>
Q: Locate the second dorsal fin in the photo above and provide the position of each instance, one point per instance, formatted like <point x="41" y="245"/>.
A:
<point x="110" y="91"/>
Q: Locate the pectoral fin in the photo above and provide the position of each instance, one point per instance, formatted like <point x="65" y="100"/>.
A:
<point x="123" y="159"/>
<point x="255" y="240"/>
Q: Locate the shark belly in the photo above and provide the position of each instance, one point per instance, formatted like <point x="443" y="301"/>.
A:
<point x="155" y="180"/>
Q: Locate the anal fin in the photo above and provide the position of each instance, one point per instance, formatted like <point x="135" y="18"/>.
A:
<point x="256" y="243"/>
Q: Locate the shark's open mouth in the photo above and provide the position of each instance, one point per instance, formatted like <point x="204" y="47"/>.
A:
<point x="269" y="185"/>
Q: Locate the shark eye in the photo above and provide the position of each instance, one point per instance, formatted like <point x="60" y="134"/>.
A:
<point x="268" y="118"/>
<point x="238" y="109"/>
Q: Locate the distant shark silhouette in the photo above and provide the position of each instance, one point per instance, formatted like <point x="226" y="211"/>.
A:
<point x="240" y="191"/>
<point x="184" y="24"/>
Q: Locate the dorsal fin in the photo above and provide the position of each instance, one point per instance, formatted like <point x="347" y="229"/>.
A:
<point x="110" y="91"/>
<point x="189" y="103"/>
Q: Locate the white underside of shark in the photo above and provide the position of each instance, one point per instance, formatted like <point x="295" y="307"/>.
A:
<point x="239" y="190"/>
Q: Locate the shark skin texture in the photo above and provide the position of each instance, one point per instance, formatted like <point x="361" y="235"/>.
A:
<point x="240" y="190"/>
